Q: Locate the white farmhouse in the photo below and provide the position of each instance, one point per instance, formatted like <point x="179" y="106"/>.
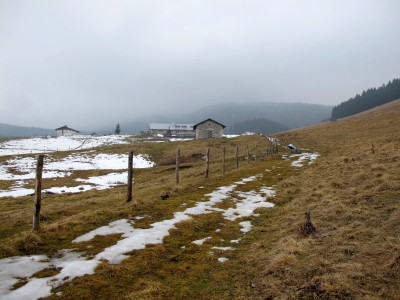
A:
<point x="172" y="129"/>
<point x="66" y="131"/>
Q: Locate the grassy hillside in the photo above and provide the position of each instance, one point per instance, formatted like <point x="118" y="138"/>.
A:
<point x="352" y="192"/>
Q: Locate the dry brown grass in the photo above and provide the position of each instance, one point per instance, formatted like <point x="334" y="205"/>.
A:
<point x="353" y="194"/>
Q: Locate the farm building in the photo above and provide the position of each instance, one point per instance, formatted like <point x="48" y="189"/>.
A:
<point x="209" y="129"/>
<point x="173" y="129"/>
<point x="66" y="131"/>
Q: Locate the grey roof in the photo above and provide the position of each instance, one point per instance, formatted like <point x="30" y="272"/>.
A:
<point x="223" y="126"/>
<point x="65" y="127"/>
<point x="159" y="126"/>
<point x="170" y="126"/>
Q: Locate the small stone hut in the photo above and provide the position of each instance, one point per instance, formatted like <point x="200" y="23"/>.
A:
<point x="66" y="131"/>
<point x="209" y="129"/>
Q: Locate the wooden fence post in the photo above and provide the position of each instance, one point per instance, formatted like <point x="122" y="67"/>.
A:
<point x="38" y="194"/>
<point x="237" y="157"/>
<point x="207" y="162"/>
<point x="130" y="176"/>
<point x="178" y="154"/>
<point x="223" y="160"/>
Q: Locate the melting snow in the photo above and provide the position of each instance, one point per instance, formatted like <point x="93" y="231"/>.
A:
<point x="119" y="226"/>
<point x="99" y="183"/>
<point x="107" y="181"/>
<point x="201" y="242"/>
<point x="222" y="259"/>
<point x="64" y="167"/>
<point x="223" y="248"/>
<point x="251" y="201"/>
<point x="246" y="226"/>
<point x="73" y="264"/>
<point x="40" y="145"/>
<point x="303" y="157"/>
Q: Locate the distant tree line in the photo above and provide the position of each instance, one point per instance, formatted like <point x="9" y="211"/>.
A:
<point x="368" y="99"/>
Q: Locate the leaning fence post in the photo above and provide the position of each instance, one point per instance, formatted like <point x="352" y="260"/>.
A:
<point x="178" y="154"/>
<point x="38" y="194"/>
<point x="223" y="160"/>
<point x="130" y="176"/>
<point x="207" y="162"/>
<point x="237" y="158"/>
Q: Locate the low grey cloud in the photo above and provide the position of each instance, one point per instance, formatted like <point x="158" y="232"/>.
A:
<point x="90" y="62"/>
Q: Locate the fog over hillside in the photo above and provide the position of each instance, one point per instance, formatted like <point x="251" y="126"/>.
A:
<point x="79" y="62"/>
<point x="289" y="115"/>
<point x="7" y="130"/>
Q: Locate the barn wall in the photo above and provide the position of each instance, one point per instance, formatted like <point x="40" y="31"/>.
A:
<point x="66" y="132"/>
<point x="203" y="130"/>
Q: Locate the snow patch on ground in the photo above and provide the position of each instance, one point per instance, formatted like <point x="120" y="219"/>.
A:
<point x="223" y="248"/>
<point x="301" y="158"/>
<point x="96" y="182"/>
<point x="119" y="226"/>
<point x="222" y="259"/>
<point x="250" y="202"/>
<point x="201" y="241"/>
<point x="46" y="145"/>
<point x="54" y="168"/>
<point x="76" y="162"/>
<point x="73" y="264"/>
<point x="16" y="192"/>
<point x="246" y="226"/>
<point x="107" y="181"/>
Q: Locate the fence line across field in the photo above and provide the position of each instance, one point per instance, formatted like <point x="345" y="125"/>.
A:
<point x="40" y="163"/>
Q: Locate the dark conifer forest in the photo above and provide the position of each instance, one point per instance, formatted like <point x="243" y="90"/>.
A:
<point x="368" y="99"/>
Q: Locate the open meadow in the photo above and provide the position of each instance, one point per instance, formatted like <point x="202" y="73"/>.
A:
<point x="234" y="235"/>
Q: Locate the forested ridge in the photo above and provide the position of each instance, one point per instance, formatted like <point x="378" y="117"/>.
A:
<point x="258" y="125"/>
<point x="368" y="99"/>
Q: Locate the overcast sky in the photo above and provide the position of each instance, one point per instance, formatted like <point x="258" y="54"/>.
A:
<point x="88" y="62"/>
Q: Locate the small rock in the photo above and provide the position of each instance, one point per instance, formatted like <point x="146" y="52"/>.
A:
<point x="165" y="195"/>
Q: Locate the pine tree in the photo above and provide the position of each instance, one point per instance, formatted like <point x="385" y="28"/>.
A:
<point x="117" y="129"/>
